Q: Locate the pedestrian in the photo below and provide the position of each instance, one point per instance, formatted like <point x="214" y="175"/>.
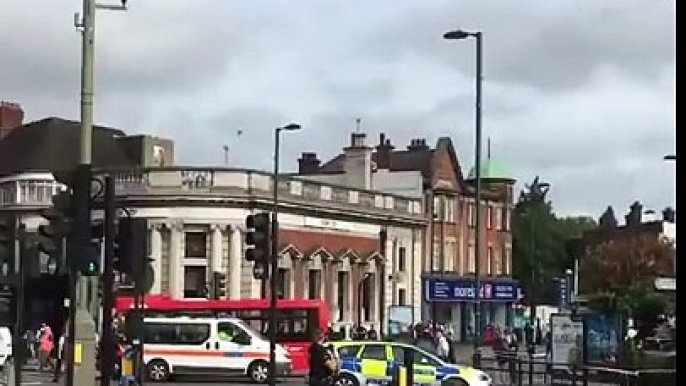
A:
<point x="324" y="362"/>
<point x="47" y="345"/>
<point x="61" y="352"/>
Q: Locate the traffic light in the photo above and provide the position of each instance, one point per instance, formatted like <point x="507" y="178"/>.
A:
<point x="7" y="242"/>
<point x="218" y="285"/>
<point x="131" y="255"/>
<point x="59" y="219"/>
<point x="122" y="247"/>
<point x="258" y="242"/>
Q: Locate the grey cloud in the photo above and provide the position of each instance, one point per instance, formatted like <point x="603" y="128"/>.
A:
<point x="551" y="48"/>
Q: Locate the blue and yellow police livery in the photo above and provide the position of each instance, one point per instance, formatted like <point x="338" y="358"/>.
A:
<point x="378" y="361"/>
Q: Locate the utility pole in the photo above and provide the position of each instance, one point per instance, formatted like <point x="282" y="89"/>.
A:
<point x="82" y="355"/>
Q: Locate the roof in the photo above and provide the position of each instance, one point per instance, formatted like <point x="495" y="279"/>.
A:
<point x="491" y="169"/>
<point x="52" y="144"/>
<point x="400" y="160"/>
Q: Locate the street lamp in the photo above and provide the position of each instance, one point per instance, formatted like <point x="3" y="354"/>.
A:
<point x="274" y="266"/>
<point x="670" y="157"/>
<point x="461" y="35"/>
<point x="536" y="195"/>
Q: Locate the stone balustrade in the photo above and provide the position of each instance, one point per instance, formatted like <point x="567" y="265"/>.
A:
<point x="223" y="182"/>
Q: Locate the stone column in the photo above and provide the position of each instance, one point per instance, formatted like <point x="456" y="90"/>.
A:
<point x="156" y="256"/>
<point x="235" y="259"/>
<point x="176" y="265"/>
<point x="217" y="250"/>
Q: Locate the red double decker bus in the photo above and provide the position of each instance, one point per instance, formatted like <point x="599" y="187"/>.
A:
<point x="297" y="319"/>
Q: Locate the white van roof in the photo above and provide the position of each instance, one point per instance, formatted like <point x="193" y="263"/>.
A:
<point x="188" y="319"/>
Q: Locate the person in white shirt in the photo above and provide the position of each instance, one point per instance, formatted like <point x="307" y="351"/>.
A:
<point x="442" y="346"/>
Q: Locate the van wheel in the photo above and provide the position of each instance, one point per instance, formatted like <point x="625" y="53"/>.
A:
<point x="157" y="370"/>
<point x="258" y="371"/>
<point x="345" y="380"/>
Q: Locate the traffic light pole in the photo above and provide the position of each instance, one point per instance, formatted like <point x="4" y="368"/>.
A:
<point x="274" y="264"/>
<point x="20" y="252"/>
<point x="106" y="343"/>
<point x="83" y="352"/>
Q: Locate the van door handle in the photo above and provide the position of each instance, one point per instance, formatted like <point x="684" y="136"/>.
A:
<point x="216" y="345"/>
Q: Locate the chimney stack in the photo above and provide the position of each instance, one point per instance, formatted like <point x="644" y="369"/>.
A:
<point x="11" y="117"/>
<point x="669" y="215"/>
<point x="358" y="163"/>
<point x="418" y="144"/>
<point x="308" y="164"/>
<point x="383" y="152"/>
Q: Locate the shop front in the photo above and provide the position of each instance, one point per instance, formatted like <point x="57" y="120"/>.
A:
<point x="450" y="300"/>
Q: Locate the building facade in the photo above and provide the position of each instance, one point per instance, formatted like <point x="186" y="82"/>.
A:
<point x="435" y="176"/>
<point x="329" y="238"/>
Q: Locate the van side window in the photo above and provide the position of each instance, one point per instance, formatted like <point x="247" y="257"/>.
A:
<point x="177" y="333"/>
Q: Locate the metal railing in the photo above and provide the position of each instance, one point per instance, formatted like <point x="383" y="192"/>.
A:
<point x="520" y="371"/>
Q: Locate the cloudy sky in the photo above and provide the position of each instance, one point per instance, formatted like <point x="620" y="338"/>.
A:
<point x="579" y="92"/>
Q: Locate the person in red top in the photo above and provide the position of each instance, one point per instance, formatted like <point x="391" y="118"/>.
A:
<point x="47" y="344"/>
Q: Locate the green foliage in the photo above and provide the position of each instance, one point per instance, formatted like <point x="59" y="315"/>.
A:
<point x="539" y="242"/>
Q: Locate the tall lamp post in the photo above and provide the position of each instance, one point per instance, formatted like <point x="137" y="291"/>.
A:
<point x="274" y="266"/>
<point x="670" y="157"/>
<point x="535" y="196"/>
<point x="82" y="326"/>
<point x="478" y="37"/>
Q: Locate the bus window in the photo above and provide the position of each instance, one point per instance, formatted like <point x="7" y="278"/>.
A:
<point x="292" y="325"/>
<point x="176" y="333"/>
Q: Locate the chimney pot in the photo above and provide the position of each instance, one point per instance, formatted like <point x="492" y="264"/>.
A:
<point x="308" y="163"/>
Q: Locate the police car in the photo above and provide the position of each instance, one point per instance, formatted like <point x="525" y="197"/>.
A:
<point x="377" y="362"/>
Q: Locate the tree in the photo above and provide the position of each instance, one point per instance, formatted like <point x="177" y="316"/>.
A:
<point x="626" y="262"/>
<point x="618" y="276"/>
<point x="608" y="220"/>
<point x="540" y="241"/>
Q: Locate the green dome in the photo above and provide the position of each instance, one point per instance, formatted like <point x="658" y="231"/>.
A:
<point x="490" y="170"/>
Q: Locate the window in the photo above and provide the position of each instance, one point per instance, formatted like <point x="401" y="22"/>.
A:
<point x="314" y="284"/>
<point x="176" y="333"/>
<point x="343" y="293"/>
<point x="505" y="218"/>
<point x="489" y="261"/>
<point x="470" y="259"/>
<point x="348" y="351"/>
<point x="402" y="297"/>
<point x="283" y="281"/>
<point x="489" y="219"/>
<point x="497" y="263"/>
<point x="498" y="221"/>
<point x="196" y="245"/>
<point x="419" y="357"/>
<point x="232" y="333"/>
<point x="195" y="282"/>
<point x="293" y="325"/>
<point x="436" y="257"/>
<point x="402" y="259"/>
<point x="367" y="297"/>
<point x="374" y="351"/>
<point x="471" y="214"/>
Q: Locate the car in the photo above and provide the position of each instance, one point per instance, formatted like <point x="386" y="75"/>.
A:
<point x="377" y="361"/>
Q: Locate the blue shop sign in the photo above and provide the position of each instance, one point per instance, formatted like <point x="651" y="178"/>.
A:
<point x="464" y="290"/>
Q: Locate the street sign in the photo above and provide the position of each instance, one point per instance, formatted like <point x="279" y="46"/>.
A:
<point x="665" y="284"/>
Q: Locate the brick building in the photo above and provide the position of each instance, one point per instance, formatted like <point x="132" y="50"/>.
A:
<point x="435" y="176"/>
